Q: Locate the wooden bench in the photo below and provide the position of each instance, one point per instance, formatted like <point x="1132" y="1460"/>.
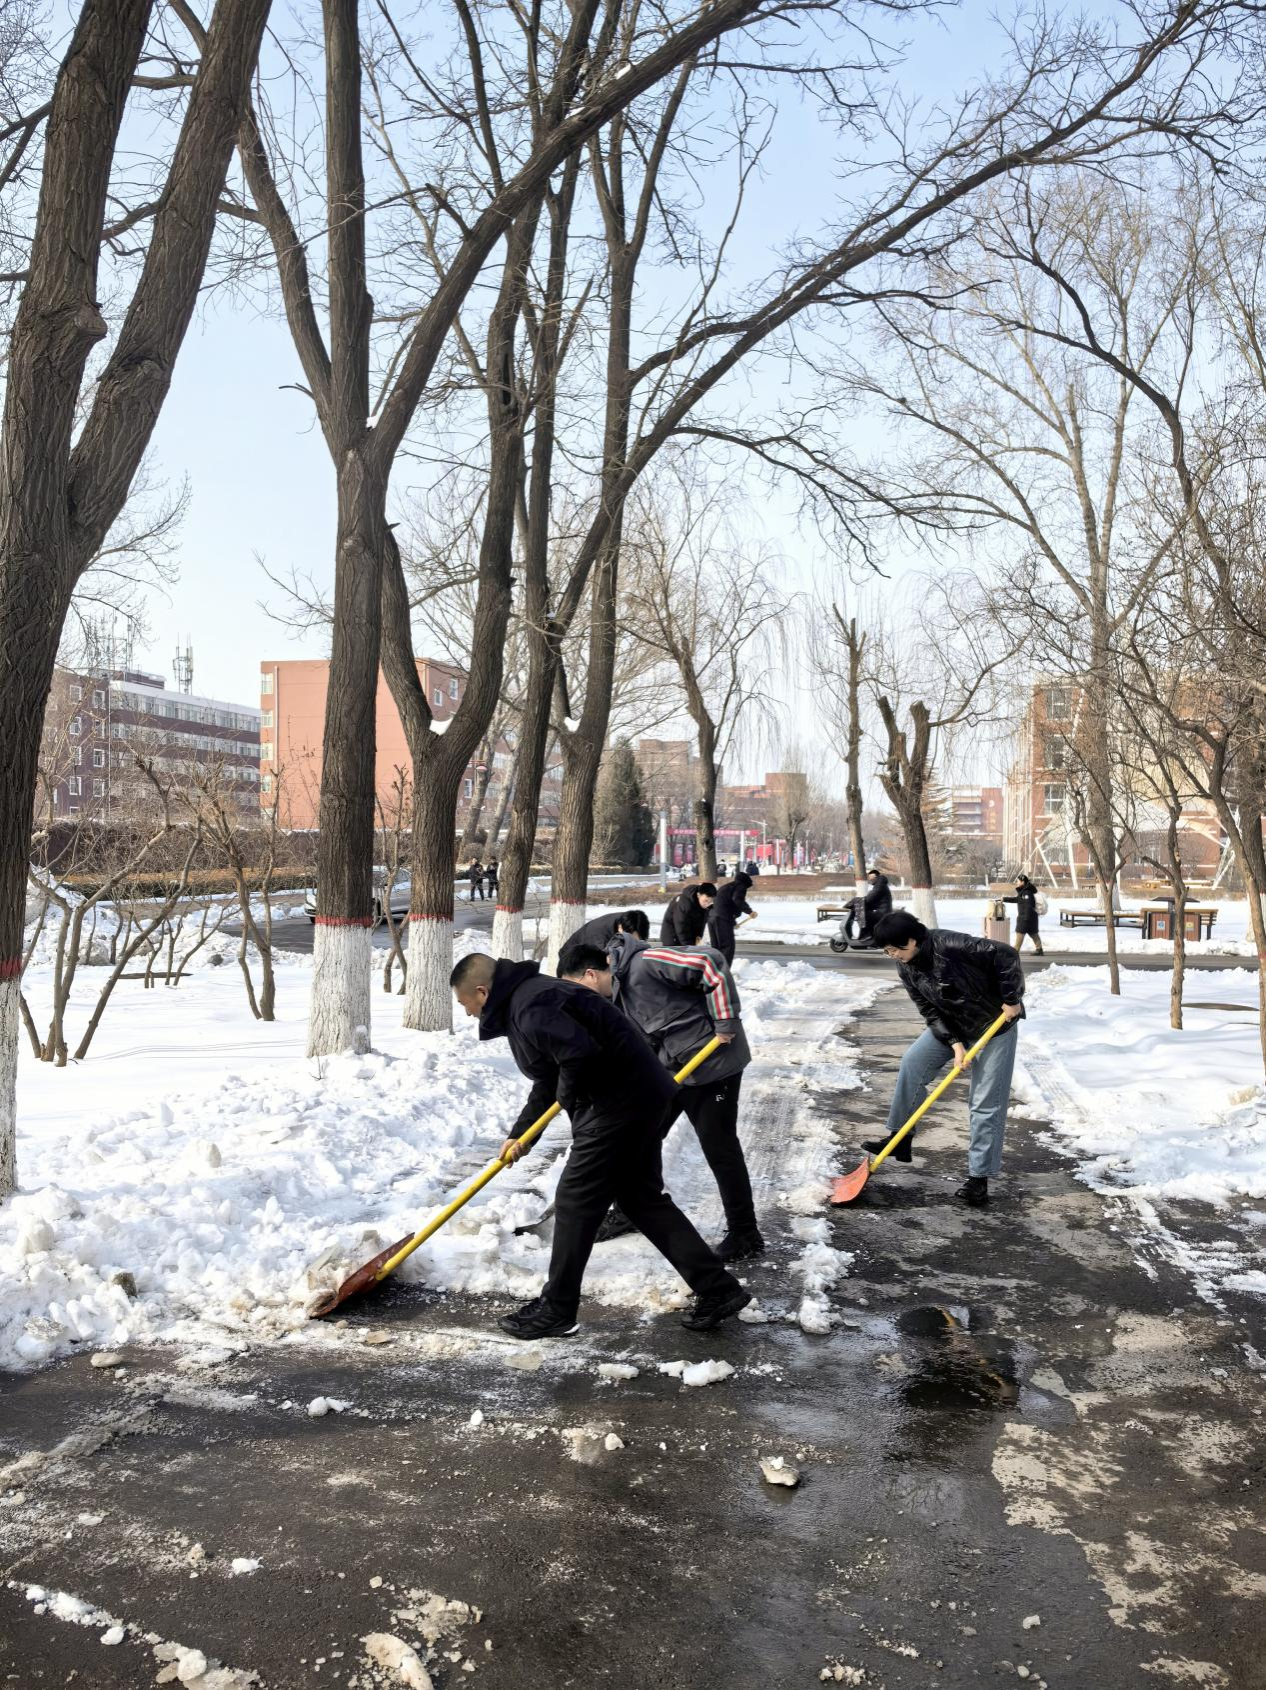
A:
<point x="828" y="912"/>
<point x="1096" y="918"/>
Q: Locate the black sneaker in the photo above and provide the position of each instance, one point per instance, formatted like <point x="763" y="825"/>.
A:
<point x="740" y="1246"/>
<point x="538" y="1319"/>
<point x="706" y="1312"/>
<point x="615" y="1224"/>
<point x="974" y="1191"/>
<point x="903" y="1153"/>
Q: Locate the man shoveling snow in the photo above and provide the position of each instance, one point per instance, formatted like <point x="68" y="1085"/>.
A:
<point x="577" y="1048"/>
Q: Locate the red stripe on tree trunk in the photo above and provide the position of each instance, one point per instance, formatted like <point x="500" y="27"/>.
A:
<point x="10" y="968"/>
<point x="571" y="903"/>
<point x="413" y="916"/>
<point x="509" y="909"/>
<point x="345" y="921"/>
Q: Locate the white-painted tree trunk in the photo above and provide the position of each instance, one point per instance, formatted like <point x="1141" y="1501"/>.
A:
<point x="507" y="934"/>
<point x="10" y="991"/>
<point x="342" y="967"/>
<point x="564" y="920"/>
<point x="428" y="1001"/>
<point x="923" y="901"/>
<point x="860" y="888"/>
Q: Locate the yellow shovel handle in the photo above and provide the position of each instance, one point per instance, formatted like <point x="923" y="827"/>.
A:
<point x="494" y="1168"/>
<point x="932" y="1096"/>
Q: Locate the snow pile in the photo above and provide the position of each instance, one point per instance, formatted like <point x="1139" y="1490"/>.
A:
<point x="1160" y="1112"/>
<point x="696" y="1373"/>
<point x="819" y="1266"/>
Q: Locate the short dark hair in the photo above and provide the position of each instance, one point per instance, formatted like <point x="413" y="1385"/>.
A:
<point x="898" y="928"/>
<point x="579" y="959"/>
<point x="477" y="969"/>
<point x="636" y="922"/>
<point x="873" y="870"/>
<point x="707" y="889"/>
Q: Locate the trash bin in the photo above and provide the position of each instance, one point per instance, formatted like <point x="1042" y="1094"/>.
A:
<point x="997" y="923"/>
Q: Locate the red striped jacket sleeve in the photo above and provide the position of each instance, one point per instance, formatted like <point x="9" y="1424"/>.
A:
<point x="700" y="969"/>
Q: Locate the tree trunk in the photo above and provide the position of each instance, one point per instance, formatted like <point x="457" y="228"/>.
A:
<point x="342" y="951"/>
<point x="1178" y="882"/>
<point x="705" y="803"/>
<point x="853" y="784"/>
<point x="483" y="775"/>
<point x="499" y="819"/>
<point x="582" y="757"/>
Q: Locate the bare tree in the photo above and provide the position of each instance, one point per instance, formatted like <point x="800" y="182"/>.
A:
<point x="61" y="491"/>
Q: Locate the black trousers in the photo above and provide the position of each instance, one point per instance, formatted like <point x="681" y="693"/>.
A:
<point x="722" y="939"/>
<point x="712" y="1111"/>
<point x="615" y="1162"/>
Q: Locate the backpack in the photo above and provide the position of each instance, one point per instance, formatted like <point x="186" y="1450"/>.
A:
<point x="1040" y="904"/>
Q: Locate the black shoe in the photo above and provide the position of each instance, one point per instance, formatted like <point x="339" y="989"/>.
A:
<point x="903" y="1153"/>
<point x="974" y="1191"/>
<point x="615" y="1225"/>
<point x="538" y="1319"/>
<point x="739" y="1246"/>
<point x="706" y="1312"/>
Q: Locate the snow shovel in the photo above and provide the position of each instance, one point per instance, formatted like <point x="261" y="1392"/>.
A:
<point x="848" y="1186"/>
<point x="378" y="1267"/>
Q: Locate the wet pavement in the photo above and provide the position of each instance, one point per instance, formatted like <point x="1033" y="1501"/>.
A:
<point x="1031" y="1450"/>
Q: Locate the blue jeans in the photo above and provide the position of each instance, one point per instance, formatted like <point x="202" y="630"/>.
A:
<point x="990" y="1079"/>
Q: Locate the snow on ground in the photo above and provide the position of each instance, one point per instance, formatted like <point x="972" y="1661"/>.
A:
<point x="199" y="1158"/>
<point x="1162" y="1112"/>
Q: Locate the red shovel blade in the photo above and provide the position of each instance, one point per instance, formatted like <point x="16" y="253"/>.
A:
<point x="356" y="1284"/>
<point x="847" y="1186"/>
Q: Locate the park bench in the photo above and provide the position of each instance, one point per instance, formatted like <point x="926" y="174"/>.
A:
<point x="1096" y="918"/>
<point x="828" y="912"/>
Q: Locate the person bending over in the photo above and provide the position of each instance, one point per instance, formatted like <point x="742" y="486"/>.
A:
<point x="603" y="928"/>
<point x="731" y="902"/>
<point x="599" y="1066"/>
<point x="681" y="999"/>
<point x="959" y="985"/>
<point x="687" y="915"/>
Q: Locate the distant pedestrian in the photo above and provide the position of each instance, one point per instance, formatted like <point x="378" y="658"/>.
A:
<point x="681" y="999"/>
<point x="687" y="916"/>
<point x="599" y="1065"/>
<point x="476" y="879"/>
<point x="1026" y="917"/>
<point x="960" y="985"/>
<point x="723" y="917"/>
<point x="493" y="875"/>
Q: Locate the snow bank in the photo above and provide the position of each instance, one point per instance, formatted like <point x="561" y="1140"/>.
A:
<point x="1146" y="1108"/>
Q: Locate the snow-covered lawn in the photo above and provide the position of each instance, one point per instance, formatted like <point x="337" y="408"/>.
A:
<point x="1160" y="1112"/>
<point x="202" y="1154"/>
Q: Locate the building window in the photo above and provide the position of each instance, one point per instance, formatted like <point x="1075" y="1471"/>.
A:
<point x="266" y="682"/>
<point x="76" y="727"/>
<point x="118" y="730"/>
<point x="1054" y="800"/>
<point x="98" y="699"/>
<point x="98" y="728"/>
<point x="1059" y="703"/>
<point x="266" y="720"/>
<point x="98" y="789"/>
<point x="1056" y="753"/>
<point x="98" y="759"/>
<point x="74" y="786"/>
<point x="76" y="692"/>
<point x="266" y="749"/>
<point x="266" y="784"/>
<point x="470" y="788"/>
<point x="454" y="688"/>
<point x="78" y="758"/>
<point x="438" y="695"/>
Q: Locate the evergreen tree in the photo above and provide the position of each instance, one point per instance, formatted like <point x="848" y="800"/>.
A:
<point x="624" y="829"/>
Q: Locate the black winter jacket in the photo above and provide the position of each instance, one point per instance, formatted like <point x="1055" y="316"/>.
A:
<point x="576" y="1048"/>
<point x="684" y="920"/>
<point x="959" y="983"/>
<point x="878" y="900"/>
<point x="680" y="996"/>
<point x="600" y="931"/>
<point x="1025" y="902"/>
<point x="731" y="902"/>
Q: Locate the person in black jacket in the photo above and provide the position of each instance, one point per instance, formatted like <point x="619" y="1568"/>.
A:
<point x="960" y="985"/>
<point x="687" y="915"/>
<point x="731" y="902"/>
<point x="1025" y="902"/>
<point x="875" y="905"/>
<point x="682" y="999"/>
<point x="603" y="928"/>
<point x="600" y="1067"/>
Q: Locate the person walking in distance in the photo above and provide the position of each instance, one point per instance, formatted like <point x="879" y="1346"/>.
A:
<point x="731" y="903"/>
<point x="492" y="874"/>
<point x="475" y="874"/>
<point x="687" y="916"/>
<point x="600" y="1067"/>
<point x="681" y="999"/>
<point x="1026" y="919"/>
<point x="960" y="985"/>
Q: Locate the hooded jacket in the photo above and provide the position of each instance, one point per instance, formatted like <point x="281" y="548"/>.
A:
<point x="684" y="920"/>
<point x="1025" y="900"/>
<point x="600" y="931"/>
<point x="731" y="903"/>
<point x="959" y="983"/>
<point x="878" y="900"/>
<point x="576" y="1048"/>
<point x="680" y="996"/>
